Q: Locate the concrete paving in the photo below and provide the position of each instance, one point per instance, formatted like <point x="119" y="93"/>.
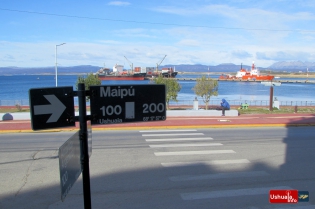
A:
<point x="169" y="113"/>
<point x="178" y="113"/>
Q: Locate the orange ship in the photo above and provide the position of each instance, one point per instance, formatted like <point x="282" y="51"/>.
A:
<point x="253" y="74"/>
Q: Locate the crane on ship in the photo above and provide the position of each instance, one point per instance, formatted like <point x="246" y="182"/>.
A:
<point x="130" y="63"/>
<point x="158" y="64"/>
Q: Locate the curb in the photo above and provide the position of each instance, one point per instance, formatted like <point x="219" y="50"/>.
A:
<point x="159" y="127"/>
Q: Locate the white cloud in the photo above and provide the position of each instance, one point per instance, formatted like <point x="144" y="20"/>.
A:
<point x="110" y="42"/>
<point x="308" y="36"/>
<point x="241" y="54"/>
<point x="181" y="45"/>
<point x="119" y="3"/>
<point x="189" y="42"/>
<point x="8" y="58"/>
<point x="97" y="42"/>
<point x="246" y="18"/>
<point x="174" y="10"/>
<point x="135" y="32"/>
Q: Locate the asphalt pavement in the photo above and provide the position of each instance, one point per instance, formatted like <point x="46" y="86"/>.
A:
<point x="21" y="122"/>
<point x="140" y="172"/>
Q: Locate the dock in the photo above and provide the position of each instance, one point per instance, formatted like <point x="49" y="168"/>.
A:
<point x="240" y="80"/>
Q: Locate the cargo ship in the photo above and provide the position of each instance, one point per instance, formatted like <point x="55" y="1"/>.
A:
<point x="118" y="73"/>
<point x="253" y="74"/>
<point x="169" y="72"/>
<point x="166" y="72"/>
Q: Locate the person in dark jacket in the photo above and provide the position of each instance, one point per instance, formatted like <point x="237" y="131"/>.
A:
<point x="224" y="106"/>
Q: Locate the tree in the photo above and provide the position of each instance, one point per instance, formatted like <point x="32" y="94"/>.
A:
<point x="205" y="88"/>
<point x="172" y="88"/>
<point x="90" y="80"/>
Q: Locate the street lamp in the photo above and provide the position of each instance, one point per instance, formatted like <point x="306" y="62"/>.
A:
<point x="56" y="62"/>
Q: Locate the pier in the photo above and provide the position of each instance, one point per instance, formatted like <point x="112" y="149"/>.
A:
<point x="240" y="80"/>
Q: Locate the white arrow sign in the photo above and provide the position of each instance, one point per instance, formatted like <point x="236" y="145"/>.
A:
<point x="55" y="108"/>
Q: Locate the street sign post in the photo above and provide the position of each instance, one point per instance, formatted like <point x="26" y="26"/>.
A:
<point x="127" y="103"/>
<point x="89" y="136"/>
<point x="54" y="107"/>
<point x="51" y="107"/>
<point x="69" y="164"/>
<point x="85" y="164"/>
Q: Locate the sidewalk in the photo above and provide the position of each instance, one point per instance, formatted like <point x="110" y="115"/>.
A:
<point x="21" y="122"/>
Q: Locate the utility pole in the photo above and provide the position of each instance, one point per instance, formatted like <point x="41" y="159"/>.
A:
<point x="56" y="64"/>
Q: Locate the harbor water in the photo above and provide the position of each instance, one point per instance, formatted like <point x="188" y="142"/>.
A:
<point x="14" y="90"/>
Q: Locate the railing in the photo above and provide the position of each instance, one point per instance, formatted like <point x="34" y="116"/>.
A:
<point x="214" y="102"/>
<point x="21" y="102"/>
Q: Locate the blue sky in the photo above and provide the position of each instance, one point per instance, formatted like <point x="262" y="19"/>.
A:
<point x="99" y="33"/>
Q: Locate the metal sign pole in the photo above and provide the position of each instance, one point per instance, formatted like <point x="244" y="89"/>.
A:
<point x="84" y="146"/>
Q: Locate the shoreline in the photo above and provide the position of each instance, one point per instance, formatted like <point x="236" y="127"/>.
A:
<point x="281" y="75"/>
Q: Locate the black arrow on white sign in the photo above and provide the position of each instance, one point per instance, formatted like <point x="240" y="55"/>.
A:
<point x="55" y="108"/>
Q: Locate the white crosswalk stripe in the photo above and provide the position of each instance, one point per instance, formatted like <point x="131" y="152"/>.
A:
<point x="182" y="134"/>
<point x="168" y="130"/>
<point x="218" y="176"/>
<point x="185" y="145"/>
<point x="202" y="152"/>
<point x="179" y="139"/>
<point x="213" y="162"/>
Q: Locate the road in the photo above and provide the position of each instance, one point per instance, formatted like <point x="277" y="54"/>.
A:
<point x="183" y="168"/>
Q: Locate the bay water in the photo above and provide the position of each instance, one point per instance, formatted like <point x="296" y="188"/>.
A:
<point x="14" y="89"/>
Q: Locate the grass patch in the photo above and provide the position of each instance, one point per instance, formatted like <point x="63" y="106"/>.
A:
<point x="282" y="110"/>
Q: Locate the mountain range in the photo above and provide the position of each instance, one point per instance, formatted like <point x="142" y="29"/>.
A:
<point x="225" y="67"/>
<point x="295" y="65"/>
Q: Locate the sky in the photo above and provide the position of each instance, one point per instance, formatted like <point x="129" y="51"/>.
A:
<point x="141" y="33"/>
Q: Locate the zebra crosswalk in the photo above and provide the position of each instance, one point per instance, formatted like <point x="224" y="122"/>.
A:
<point x="188" y="148"/>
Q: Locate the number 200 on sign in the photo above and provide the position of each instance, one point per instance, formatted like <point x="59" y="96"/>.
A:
<point x="147" y="108"/>
<point x="152" y="108"/>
